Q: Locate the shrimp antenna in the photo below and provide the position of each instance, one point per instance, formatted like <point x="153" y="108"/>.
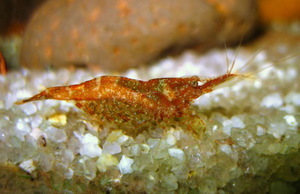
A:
<point x="236" y="54"/>
<point x="227" y="60"/>
<point x="250" y="60"/>
<point x="271" y="65"/>
<point x="259" y="70"/>
<point x="229" y="69"/>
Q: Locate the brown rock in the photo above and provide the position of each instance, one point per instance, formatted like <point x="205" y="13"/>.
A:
<point x="126" y="33"/>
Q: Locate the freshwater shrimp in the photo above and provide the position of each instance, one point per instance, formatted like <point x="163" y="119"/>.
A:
<point x="123" y="100"/>
<point x="118" y="98"/>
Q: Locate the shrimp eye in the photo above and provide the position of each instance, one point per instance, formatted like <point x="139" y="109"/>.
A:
<point x="196" y="83"/>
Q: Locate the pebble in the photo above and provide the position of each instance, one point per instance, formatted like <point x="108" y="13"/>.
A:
<point x="169" y="182"/>
<point x="291" y="120"/>
<point x="90" y="146"/>
<point x="293" y="98"/>
<point x="28" y="166"/>
<point x="105" y="161"/>
<point x="29" y="108"/>
<point x="176" y="153"/>
<point x="55" y="134"/>
<point x="273" y="100"/>
<point x="111" y="148"/>
<point x="125" y="165"/>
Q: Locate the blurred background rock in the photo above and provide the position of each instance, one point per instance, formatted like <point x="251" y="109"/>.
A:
<point x="117" y="35"/>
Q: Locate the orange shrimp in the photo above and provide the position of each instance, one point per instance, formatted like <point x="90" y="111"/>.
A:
<point x="135" y="105"/>
<point x="122" y="99"/>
